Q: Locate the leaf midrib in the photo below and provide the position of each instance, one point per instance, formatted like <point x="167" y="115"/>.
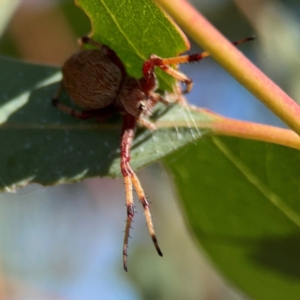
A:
<point x="142" y="57"/>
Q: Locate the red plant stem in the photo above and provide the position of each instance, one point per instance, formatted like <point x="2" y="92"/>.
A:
<point x="248" y="130"/>
<point x="199" y="29"/>
<point x="258" y="132"/>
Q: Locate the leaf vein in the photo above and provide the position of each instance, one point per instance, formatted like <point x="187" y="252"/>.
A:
<point x="120" y="28"/>
<point x="254" y="180"/>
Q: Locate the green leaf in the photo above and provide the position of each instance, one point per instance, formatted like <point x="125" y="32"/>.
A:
<point x="241" y="200"/>
<point x="135" y="29"/>
<point x="42" y="144"/>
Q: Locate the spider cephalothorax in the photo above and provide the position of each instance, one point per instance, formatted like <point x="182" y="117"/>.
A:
<point x="96" y="80"/>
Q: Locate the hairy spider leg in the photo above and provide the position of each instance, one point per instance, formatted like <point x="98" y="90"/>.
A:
<point x="100" y="114"/>
<point x="164" y="64"/>
<point x="146" y="123"/>
<point x="153" y="99"/>
<point x="130" y="179"/>
<point x="87" y="40"/>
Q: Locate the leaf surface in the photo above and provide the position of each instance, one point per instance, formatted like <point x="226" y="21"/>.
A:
<point x="242" y="204"/>
<point x="135" y="29"/>
<point x="241" y="197"/>
<point x="44" y="145"/>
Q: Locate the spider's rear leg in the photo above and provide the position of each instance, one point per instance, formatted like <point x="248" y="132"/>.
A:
<point x="66" y="109"/>
<point x="130" y="179"/>
<point x="100" y="114"/>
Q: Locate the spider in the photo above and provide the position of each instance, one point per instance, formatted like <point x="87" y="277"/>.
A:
<point x="96" y="80"/>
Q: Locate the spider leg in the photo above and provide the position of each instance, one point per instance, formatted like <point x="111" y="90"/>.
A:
<point x="100" y="114"/>
<point x="87" y="40"/>
<point x="164" y="64"/>
<point x="189" y="57"/>
<point x="155" y="97"/>
<point x="179" y="76"/>
<point x="130" y="179"/>
<point x="146" y="123"/>
<point x="130" y="215"/>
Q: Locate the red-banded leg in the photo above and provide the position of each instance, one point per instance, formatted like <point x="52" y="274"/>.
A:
<point x="164" y="64"/>
<point x="130" y="179"/>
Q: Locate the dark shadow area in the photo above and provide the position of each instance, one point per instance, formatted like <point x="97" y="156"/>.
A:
<point x="279" y="254"/>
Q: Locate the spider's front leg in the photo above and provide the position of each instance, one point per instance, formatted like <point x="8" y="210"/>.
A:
<point x="131" y="179"/>
<point x="165" y="63"/>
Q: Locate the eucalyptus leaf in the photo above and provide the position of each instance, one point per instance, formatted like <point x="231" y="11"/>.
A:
<point x="135" y="29"/>
<point x="41" y="144"/>
<point x="242" y="204"/>
<point x="241" y="197"/>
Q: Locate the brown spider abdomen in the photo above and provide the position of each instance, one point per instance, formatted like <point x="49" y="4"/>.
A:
<point x="91" y="79"/>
